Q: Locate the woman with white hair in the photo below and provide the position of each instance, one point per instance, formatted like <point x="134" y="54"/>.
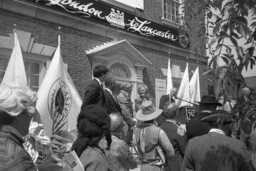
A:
<point x="17" y="106"/>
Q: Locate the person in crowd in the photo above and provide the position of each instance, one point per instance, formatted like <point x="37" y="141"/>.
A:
<point x="165" y="100"/>
<point x="17" y="106"/>
<point x="93" y="123"/>
<point x="143" y="96"/>
<point x="119" y="156"/>
<point x="111" y="101"/>
<point x="217" y="151"/>
<point x="94" y="92"/>
<point x="196" y="127"/>
<point x="125" y="103"/>
<point x="241" y="102"/>
<point x="176" y="135"/>
<point x="153" y="145"/>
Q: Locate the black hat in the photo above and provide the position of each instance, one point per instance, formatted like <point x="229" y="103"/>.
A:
<point x="209" y="100"/>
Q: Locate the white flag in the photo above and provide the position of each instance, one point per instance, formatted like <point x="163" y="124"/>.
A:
<point x="57" y="93"/>
<point x="15" y="71"/>
<point x="183" y="92"/>
<point x="169" y="77"/>
<point x="194" y="87"/>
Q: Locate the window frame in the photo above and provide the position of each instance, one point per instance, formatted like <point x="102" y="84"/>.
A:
<point x="30" y="58"/>
<point x="167" y="16"/>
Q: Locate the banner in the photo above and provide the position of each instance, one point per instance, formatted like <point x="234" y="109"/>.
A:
<point x="106" y="14"/>
<point x="58" y="100"/>
<point x="15" y="71"/>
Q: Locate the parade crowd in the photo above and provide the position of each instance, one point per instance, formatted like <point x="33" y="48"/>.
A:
<point x="112" y="135"/>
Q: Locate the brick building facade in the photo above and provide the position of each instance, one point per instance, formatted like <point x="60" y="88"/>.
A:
<point x="132" y="58"/>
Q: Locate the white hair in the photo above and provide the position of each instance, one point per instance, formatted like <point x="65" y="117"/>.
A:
<point x="14" y="99"/>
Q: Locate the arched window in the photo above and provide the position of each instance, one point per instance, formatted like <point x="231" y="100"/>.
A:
<point x="120" y="71"/>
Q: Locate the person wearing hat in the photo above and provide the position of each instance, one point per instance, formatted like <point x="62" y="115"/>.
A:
<point x="93" y="123"/>
<point x="196" y="127"/>
<point x="152" y="143"/>
<point x="216" y="150"/>
<point x="176" y="135"/>
<point x="119" y="156"/>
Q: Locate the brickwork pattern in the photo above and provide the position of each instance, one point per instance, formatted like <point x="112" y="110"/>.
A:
<point x="73" y="43"/>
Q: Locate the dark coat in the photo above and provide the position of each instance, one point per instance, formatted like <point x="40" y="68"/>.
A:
<point x="94" y="94"/>
<point x="215" y="151"/>
<point x="179" y="144"/>
<point x="196" y="128"/>
<point x="112" y="104"/>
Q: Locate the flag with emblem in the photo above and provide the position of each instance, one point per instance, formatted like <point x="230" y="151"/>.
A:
<point x="169" y="77"/>
<point x="58" y="100"/>
<point x="183" y="92"/>
<point x="194" y="87"/>
<point x="15" y="71"/>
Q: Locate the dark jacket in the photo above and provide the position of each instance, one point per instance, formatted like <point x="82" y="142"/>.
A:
<point x="13" y="156"/>
<point x="215" y="151"/>
<point x="178" y="140"/>
<point x="94" y="94"/>
<point x="112" y="104"/>
<point x="196" y="128"/>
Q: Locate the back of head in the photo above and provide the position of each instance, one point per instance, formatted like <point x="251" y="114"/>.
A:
<point x="126" y="87"/>
<point x="170" y="111"/>
<point x="15" y="99"/>
<point x="246" y="91"/>
<point x="99" y="70"/>
<point x="110" y="83"/>
<point x="92" y="124"/>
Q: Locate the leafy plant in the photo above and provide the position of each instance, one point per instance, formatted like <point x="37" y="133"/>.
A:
<point x="227" y="23"/>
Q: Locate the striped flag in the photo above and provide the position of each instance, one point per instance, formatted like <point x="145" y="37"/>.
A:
<point x="15" y="71"/>
<point x="58" y="100"/>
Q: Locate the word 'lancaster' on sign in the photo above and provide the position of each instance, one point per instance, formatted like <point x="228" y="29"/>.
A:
<point x="106" y="14"/>
<point x="140" y="26"/>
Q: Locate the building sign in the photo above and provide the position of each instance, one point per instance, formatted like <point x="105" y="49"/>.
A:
<point x="103" y="13"/>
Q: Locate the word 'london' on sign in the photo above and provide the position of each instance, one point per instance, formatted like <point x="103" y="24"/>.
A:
<point x="102" y="13"/>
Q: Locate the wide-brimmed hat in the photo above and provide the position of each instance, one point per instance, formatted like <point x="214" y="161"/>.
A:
<point x="210" y="100"/>
<point x="148" y="112"/>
